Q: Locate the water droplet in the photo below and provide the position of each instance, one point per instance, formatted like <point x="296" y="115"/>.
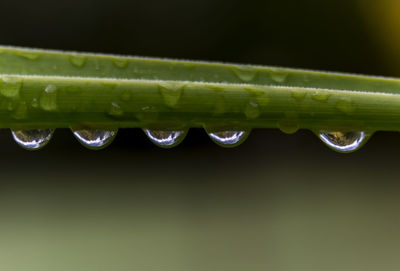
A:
<point x="278" y="76"/>
<point x="252" y="110"/>
<point x="171" y="93"/>
<point x="35" y="103"/>
<point x="321" y="96"/>
<point x="48" y="99"/>
<point x="298" y="94"/>
<point x="165" y="139"/>
<point x="21" y="112"/>
<point x="10" y="106"/>
<point x="289" y="125"/>
<point x="78" y="60"/>
<point x="120" y="63"/>
<point x="10" y="87"/>
<point x="344" y="141"/>
<point x="228" y="139"/>
<point x="346" y="105"/>
<point x="115" y="110"/>
<point x="126" y="95"/>
<point x="32" y="139"/>
<point x="245" y="73"/>
<point x="95" y="139"/>
<point x="28" y="55"/>
<point x="147" y="114"/>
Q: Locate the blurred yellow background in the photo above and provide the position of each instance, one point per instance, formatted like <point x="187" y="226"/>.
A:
<point x="383" y="23"/>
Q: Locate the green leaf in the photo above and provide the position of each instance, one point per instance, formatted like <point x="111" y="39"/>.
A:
<point x="54" y="89"/>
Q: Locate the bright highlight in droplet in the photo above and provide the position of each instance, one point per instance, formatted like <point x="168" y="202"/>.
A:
<point x="95" y="139"/>
<point x="32" y="139"/>
<point x="228" y="138"/>
<point x="165" y="139"/>
<point x="344" y="141"/>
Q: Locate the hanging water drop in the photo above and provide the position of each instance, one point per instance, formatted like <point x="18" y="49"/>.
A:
<point x="95" y="139"/>
<point x="228" y="139"/>
<point x="32" y="139"/>
<point x="165" y="139"/>
<point x="345" y="142"/>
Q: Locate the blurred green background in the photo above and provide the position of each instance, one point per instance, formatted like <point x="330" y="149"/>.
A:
<point x="278" y="202"/>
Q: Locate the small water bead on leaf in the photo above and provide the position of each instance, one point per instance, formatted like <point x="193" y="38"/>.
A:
<point x="27" y="55"/>
<point x="48" y="99"/>
<point x="147" y="113"/>
<point x="344" y="142"/>
<point x="278" y="76"/>
<point x="95" y="139"/>
<point x="10" y="87"/>
<point x="32" y="139"/>
<point x="35" y="103"/>
<point x="298" y="94"/>
<point x="252" y="110"/>
<point x="10" y="106"/>
<point x="171" y="93"/>
<point x="126" y="95"/>
<point x="120" y="63"/>
<point x="165" y="138"/>
<point x="321" y="96"/>
<point x="115" y="110"/>
<point x="346" y="105"/>
<point x="245" y="73"/>
<point x="78" y="60"/>
<point x="228" y="139"/>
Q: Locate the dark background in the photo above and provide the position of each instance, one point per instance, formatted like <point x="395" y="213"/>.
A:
<point x="283" y="202"/>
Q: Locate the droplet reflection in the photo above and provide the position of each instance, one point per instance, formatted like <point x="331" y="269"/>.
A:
<point x="345" y="142"/>
<point x="95" y="139"/>
<point x="165" y="139"/>
<point x="228" y="138"/>
<point x="32" y="139"/>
